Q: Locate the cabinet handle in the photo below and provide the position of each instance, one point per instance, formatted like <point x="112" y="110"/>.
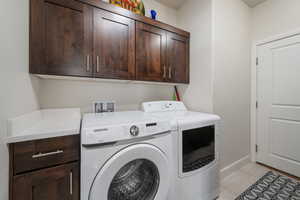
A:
<point x="170" y="72"/>
<point x="97" y="63"/>
<point x="88" y="63"/>
<point x="71" y="183"/>
<point x="165" y="72"/>
<point x="40" y="155"/>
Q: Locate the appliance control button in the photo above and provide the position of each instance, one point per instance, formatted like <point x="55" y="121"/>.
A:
<point x="134" y="131"/>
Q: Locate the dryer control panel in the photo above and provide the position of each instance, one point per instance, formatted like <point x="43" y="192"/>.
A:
<point x="163" y="106"/>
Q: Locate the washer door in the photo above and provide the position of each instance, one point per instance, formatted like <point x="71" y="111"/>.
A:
<point x="138" y="172"/>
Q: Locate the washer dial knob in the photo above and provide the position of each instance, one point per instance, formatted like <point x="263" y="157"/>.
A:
<point x="134" y="131"/>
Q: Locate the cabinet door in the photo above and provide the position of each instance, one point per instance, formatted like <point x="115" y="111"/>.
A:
<point x="57" y="183"/>
<point x="60" y="38"/>
<point x="150" y="53"/>
<point x="177" y="58"/>
<point x="114" y="45"/>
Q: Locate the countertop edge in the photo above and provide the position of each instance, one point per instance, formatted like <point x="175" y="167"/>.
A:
<point x="26" y="138"/>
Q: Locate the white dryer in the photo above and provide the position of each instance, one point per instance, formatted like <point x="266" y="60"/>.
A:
<point x="196" y="148"/>
<point x="125" y="156"/>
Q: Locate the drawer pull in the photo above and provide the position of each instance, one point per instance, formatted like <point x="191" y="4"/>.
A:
<point x="164" y="76"/>
<point x="40" y="155"/>
<point x="170" y="72"/>
<point x="98" y="64"/>
<point x="88" y="63"/>
<point x="71" y="183"/>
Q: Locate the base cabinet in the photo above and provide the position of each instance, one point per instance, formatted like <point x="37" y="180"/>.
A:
<point x="56" y="183"/>
<point x="46" y="169"/>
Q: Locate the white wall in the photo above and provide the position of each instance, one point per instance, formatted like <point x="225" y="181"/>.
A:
<point x="231" y="100"/>
<point x="195" y="16"/>
<point x="17" y="88"/>
<point x="164" y="13"/>
<point x="220" y="68"/>
<point x="275" y="17"/>
<point x="63" y="93"/>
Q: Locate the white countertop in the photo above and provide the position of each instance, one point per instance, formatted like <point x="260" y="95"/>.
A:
<point x="44" y="124"/>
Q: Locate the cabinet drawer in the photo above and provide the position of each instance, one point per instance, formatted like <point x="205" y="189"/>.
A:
<point x="44" y="153"/>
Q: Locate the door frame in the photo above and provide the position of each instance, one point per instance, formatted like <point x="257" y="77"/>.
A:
<point x="253" y="109"/>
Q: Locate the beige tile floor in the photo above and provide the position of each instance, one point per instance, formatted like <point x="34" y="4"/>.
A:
<point x="236" y="183"/>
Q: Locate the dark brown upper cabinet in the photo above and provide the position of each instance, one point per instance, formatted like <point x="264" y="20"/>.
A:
<point x="177" y="58"/>
<point x="151" y="43"/>
<point x="114" y="45"/>
<point x="90" y="38"/>
<point x="59" y="38"/>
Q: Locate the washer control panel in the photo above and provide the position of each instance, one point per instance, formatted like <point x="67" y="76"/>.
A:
<point x="123" y="132"/>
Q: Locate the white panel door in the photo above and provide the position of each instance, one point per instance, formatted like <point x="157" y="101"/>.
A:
<point x="278" y="114"/>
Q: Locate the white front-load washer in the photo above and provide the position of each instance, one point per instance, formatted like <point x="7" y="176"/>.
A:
<point x="125" y="156"/>
<point x="195" y="138"/>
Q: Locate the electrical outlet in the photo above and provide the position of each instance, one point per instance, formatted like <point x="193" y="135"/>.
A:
<point x="104" y="106"/>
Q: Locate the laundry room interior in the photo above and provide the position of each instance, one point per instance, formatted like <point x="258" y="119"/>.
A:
<point x="150" y="99"/>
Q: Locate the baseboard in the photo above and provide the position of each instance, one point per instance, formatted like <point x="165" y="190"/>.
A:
<point x="226" y="171"/>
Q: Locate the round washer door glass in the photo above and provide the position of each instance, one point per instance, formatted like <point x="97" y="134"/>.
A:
<point x="138" y="172"/>
<point x="137" y="180"/>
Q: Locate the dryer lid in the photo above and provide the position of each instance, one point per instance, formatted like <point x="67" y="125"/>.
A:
<point x="137" y="172"/>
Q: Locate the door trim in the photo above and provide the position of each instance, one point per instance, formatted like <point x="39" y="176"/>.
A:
<point x="253" y="109"/>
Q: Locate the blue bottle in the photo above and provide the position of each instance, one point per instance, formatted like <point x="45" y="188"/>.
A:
<point x="153" y="14"/>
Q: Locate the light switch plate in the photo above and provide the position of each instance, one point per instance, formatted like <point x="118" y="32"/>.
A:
<point x="104" y="106"/>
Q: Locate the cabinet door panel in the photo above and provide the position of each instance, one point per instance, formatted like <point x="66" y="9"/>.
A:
<point x="114" y="45"/>
<point x="55" y="183"/>
<point x="178" y="58"/>
<point x="59" y="38"/>
<point x="150" y="53"/>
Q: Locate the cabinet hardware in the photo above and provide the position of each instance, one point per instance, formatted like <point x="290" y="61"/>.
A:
<point x="170" y="72"/>
<point x="71" y="183"/>
<point x="88" y="63"/>
<point x="97" y="63"/>
<point x="40" y="155"/>
<point x="165" y="72"/>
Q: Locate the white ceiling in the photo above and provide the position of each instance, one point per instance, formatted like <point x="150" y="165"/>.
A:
<point x="253" y="3"/>
<point x="177" y="3"/>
